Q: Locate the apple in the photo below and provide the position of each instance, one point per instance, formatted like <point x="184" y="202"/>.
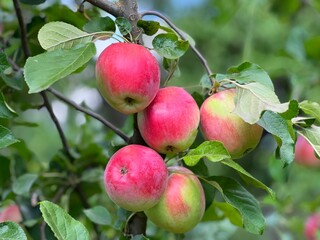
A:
<point x="135" y="177"/>
<point x="219" y="123"/>
<point x="312" y="227"/>
<point x="304" y="153"/>
<point x="11" y="213"/>
<point x="182" y="205"/>
<point x="128" y="76"/>
<point x="170" y="123"/>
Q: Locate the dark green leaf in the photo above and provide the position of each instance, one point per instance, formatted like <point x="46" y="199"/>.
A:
<point x="11" y="231"/>
<point x="99" y="215"/>
<point x="293" y="110"/>
<point x="6" y="137"/>
<point x="248" y="72"/>
<point x="311" y="108"/>
<point x="5" y="109"/>
<point x="168" y="45"/>
<point x="149" y="27"/>
<point x="281" y="129"/>
<point x="312" y="46"/>
<point x="124" y="25"/>
<point x="43" y="70"/>
<point x="98" y="24"/>
<point x="214" y="151"/>
<point x="247" y="177"/>
<point x="238" y="197"/>
<point x="61" y="223"/>
<point x="24" y="183"/>
<point x="3" y="62"/>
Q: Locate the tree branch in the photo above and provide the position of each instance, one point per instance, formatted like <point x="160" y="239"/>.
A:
<point x="181" y="34"/>
<point x="90" y="113"/>
<point x="121" y="8"/>
<point x="22" y="28"/>
<point x="57" y="124"/>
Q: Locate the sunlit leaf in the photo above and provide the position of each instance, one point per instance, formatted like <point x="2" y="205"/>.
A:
<point x="42" y="70"/>
<point x="214" y="151"/>
<point x="168" y="45"/>
<point x="54" y="35"/>
<point x="11" y="231"/>
<point x="61" y="223"/>
<point x="254" y="98"/>
<point x="311" y="108"/>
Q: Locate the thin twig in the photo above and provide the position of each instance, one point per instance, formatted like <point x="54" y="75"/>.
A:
<point x="90" y="113"/>
<point x="22" y="28"/>
<point x="57" y="124"/>
<point x="181" y="34"/>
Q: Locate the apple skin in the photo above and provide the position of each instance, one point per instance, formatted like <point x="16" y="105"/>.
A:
<point x="219" y="123"/>
<point x="135" y="177"/>
<point x="170" y="123"/>
<point x="312" y="226"/>
<point x="304" y="153"/>
<point x="182" y="205"/>
<point x="11" y="213"/>
<point x="128" y="76"/>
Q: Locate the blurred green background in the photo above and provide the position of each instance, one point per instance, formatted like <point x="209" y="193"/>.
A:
<point x="283" y="37"/>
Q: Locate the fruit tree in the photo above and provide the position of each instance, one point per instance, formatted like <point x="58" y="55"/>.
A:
<point x="118" y="124"/>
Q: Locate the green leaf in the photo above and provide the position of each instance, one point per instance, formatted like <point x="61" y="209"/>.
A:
<point x="3" y="62"/>
<point x="24" y="183"/>
<point x="168" y="45"/>
<point x="214" y="151"/>
<point x="124" y="25"/>
<point x="311" y="108"/>
<point x="312" y="135"/>
<point x="6" y="137"/>
<point x="98" y="24"/>
<point x="149" y="27"/>
<point x="5" y="110"/>
<point x="43" y="70"/>
<point x="280" y="128"/>
<point x="14" y="79"/>
<point x="54" y="35"/>
<point x="11" y="231"/>
<point x="247" y="177"/>
<point x="238" y="197"/>
<point x="293" y="110"/>
<point x="61" y="223"/>
<point x="312" y="46"/>
<point x="220" y="210"/>
<point x="247" y="72"/>
<point x="254" y="98"/>
<point x="99" y="215"/>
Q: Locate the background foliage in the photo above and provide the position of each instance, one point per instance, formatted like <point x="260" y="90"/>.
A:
<point x="283" y="37"/>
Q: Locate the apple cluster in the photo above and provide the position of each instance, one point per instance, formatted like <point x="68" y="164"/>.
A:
<point x="136" y="177"/>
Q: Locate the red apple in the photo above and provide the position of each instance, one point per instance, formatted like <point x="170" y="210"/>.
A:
<point x="170" y="123"/>
<point x="219" y="123"/>
<point x="182" y="205"/>
<point x="11" y="213"/>
<point x="135" y="177"/>
<point x="304" y="153"/>
<point x="128" y="76"/>
<point x="312" y="227"/>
